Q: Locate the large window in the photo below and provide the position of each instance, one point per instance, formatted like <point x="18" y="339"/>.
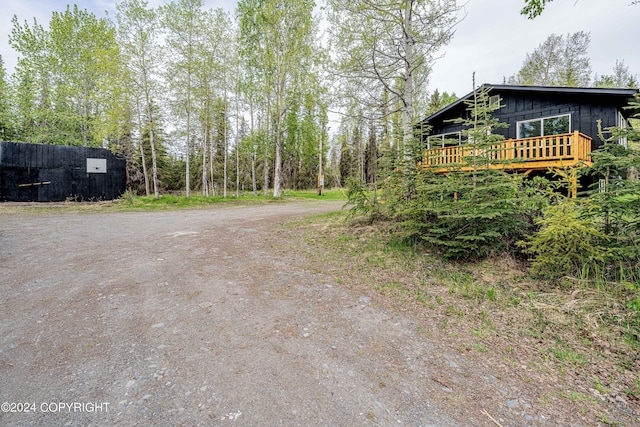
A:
<point x="444" y="140"/>
<point x="544" y="126"/>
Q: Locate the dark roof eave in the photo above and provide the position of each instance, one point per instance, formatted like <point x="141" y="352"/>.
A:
<point x="622" y="92"/>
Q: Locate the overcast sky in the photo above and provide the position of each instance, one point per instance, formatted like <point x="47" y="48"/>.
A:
<point x="491" y="40"/>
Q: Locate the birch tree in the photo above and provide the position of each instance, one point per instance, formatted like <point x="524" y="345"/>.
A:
<point x="211" y="56"/>
<point x="229" y="77"/>
<point x="184" y="28"/>
<point x="61" y="71"/>
<point x="253" y="96"/>
<point x="138" y="33"/>
<point x="621" y="77"/>
<point x="558" y="61"/>
<point x="255" y="88"/>
<point x="390" y="44"/>
<point x="281" y="30"/>
<point x="6" y="99"/>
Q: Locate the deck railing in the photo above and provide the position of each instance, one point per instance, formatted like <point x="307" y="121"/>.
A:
<point x="539" y="153"/>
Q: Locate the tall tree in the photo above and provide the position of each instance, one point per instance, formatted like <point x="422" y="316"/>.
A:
<point x="621" y="77"/>
<point x="258" y="92"/>
<point x="33" y="76"/>
<point x="371" y="156"/>
<point x="252" y="84"/>
<point x="558" y="61"/>
<point x="61" y="74"/>
<point x="138" y="33"/>
<point x="213" y="66"/>
<point x="281" y="32"/>
<point x="82" y="53"/>
<point x="438" y="101"/>
<point x="391" y="44"/>
<point x="181" y="19"/>
<point x="6" y="117"/>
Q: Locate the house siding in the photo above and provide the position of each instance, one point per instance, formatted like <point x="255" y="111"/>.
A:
<point x="585" y="110"/>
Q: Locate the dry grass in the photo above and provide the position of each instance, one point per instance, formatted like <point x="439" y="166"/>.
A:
<point x="575" y="337"/>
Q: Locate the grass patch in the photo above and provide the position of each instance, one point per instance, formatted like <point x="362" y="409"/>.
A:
<point x="566" y="355"/>
<point x="327" y="194"/>
<point x="573" y="333"/>
<point x="129" y="203"/>
<point x="174" y="202"/>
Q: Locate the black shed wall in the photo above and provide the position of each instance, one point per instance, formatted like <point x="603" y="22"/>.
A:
<point x="47" y="173"/>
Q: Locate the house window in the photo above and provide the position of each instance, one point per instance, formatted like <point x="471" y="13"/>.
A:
<point x="544" y="126"/>
<point x="494" y="101"/>
<point x="621" y="122"/>
<point x="444" y="140"/>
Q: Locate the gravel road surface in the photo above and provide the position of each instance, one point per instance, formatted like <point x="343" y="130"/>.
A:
<point x="201" y="318"/>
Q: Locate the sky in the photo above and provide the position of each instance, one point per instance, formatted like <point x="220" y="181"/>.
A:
<point x="492" y="38"/>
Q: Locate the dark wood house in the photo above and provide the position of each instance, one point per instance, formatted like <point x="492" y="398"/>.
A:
<point x="48" y="173"/>
<point x="547" y="127"/>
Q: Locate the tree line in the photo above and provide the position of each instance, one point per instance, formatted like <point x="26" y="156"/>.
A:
<point x="563" y="61"/>
<point x="218" y="102"/>
<point x="204" y="100"/>
<point x="197" y="100"/>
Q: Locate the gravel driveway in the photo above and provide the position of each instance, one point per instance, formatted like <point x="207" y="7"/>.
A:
<point x="199" y="317"/>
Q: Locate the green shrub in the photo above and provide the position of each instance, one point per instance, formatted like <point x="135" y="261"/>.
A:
<point x="362" y="199"/>
<point x="461" y="220"/>
<point x="565" y="243"/>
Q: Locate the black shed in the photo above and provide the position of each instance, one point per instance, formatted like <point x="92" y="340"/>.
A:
<point x="49" y="173"/>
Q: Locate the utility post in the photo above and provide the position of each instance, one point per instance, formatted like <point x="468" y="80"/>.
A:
<point x="320" y="172"/>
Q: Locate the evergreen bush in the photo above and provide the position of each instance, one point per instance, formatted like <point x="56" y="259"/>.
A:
<point x="461" y="220"/>
<point x="565" y="243"/>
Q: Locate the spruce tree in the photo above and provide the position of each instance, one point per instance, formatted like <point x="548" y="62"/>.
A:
<point x="467" y="216"/>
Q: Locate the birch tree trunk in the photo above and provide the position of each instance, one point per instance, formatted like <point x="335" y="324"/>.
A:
<point x="277" y="173"/>
<point x="145" y="173"/>
<point x="265" y="188"/>
<point x="226" y="145"/>
<point x="154" y="162"/>
<point x="407" y="111"/>
<point x="388" y="47"/>
<point x="253" y="153"/>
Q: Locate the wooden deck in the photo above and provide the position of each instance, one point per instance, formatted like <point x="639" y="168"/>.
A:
<point x="526" y="155"/>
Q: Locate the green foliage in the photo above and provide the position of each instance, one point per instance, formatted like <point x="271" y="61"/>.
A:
<point x="64" y="77"/>
<point x="621" y="77"/>
<point x="467" y="215"/>
<point x="558" y="61"/>
<point x="438" y="101"/>
<point x="462" y="221"/>
<point x="6" y="119"/>
<point x="614" y="205"/>
<point x="470" y="215"/>
<point x="363" y="200"/>
<point x="565" y="242"/>
<point x="480" y="124"/>
<point x="598" y="236"/>
<point x="533" y="8"/>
